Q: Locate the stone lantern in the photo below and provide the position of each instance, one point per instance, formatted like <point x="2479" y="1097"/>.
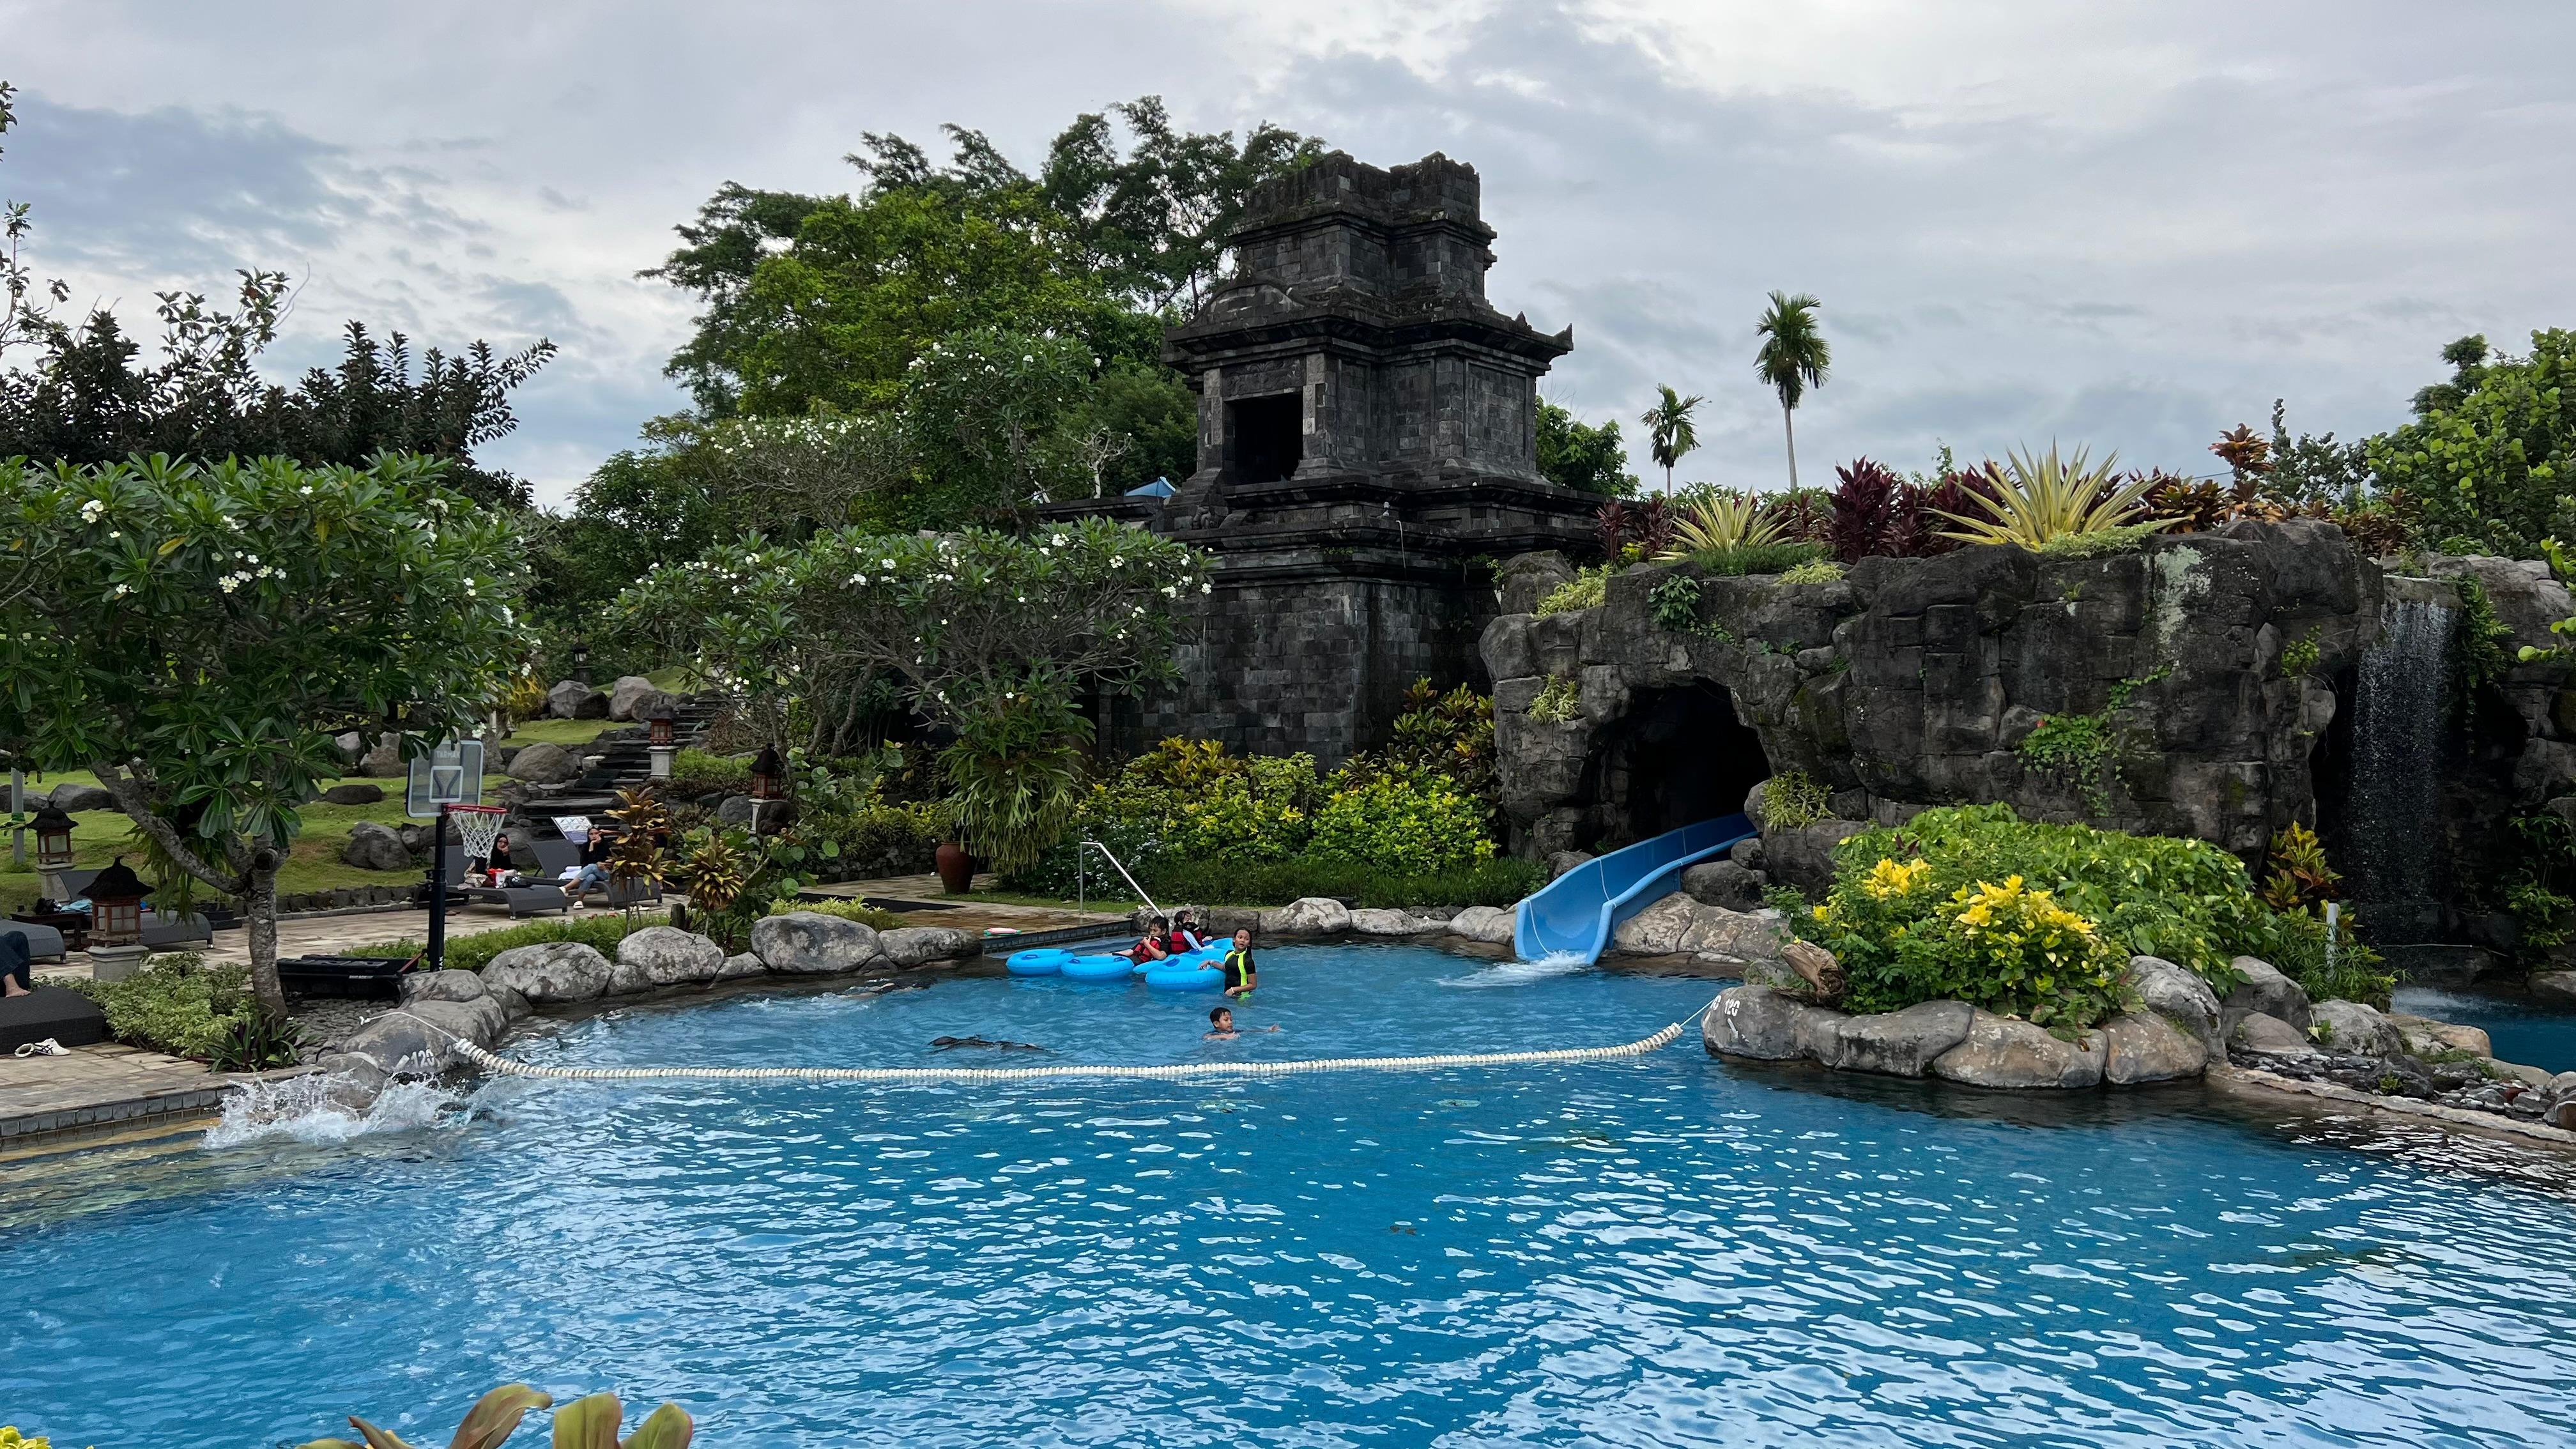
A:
<point x="662" y="742"/>
<point x="53" y="850"/>
<point x="581" y="662"/>
<point x="116" y="948"/>
<point x="764" y="774"/>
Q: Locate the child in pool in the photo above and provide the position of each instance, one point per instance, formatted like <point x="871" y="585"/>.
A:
<point x="1241" y="975"/>
<point x="1221" y="1025"/>
<point x="1150" y="946"/>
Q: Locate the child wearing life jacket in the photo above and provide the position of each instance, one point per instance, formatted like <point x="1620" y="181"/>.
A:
<point x="1241" y="975"/>
<point x="1150" y="946"/>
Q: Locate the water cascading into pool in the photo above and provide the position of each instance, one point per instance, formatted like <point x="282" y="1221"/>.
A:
<point x="2393" y="808"/>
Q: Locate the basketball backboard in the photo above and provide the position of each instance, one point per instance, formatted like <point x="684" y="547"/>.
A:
<point x="450" y="774"/>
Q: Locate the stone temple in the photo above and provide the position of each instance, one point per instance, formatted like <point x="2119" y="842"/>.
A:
<point x="1366" y="453"/>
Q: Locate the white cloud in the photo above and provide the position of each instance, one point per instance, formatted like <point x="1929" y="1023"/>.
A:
<point x="2127" y="224"/>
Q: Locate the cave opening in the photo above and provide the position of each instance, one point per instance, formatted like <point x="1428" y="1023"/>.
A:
<point x="1680" y="756"/>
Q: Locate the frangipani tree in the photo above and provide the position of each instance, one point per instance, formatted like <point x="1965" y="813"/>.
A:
<point x="991" y="633"/>
<point x="195" y="635"/>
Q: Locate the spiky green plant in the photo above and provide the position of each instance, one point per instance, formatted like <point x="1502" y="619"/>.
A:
<point x="590" y="1423"/>
<point x="1720" y="521"/>
<point x="2031" y="499"/>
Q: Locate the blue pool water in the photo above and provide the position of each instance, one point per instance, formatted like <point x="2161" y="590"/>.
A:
<point x="2521" y="1029"/>
<point x="1656" y="1251"/>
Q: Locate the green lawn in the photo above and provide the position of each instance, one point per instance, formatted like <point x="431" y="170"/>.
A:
<point x="313" y="862"/>
<point x="555" y="732"/>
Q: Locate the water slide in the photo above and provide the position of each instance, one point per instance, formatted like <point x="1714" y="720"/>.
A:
<point x="1575" y="913"/>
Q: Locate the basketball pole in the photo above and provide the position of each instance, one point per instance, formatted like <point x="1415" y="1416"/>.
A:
<point x="438" y="892"/>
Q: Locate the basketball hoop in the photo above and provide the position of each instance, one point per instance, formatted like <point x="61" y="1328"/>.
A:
<point x="477" y="826"/>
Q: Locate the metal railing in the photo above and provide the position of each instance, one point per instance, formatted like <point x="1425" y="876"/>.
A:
<point x="1081" y="897"/>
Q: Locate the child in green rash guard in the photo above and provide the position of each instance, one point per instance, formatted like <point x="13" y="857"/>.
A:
<point x="1241" y="975"/>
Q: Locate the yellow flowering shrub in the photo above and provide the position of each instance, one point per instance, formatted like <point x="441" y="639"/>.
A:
<point x="1888" y="879"/>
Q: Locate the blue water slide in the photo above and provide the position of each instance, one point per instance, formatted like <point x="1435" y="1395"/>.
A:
<point x="1576" y="912"/>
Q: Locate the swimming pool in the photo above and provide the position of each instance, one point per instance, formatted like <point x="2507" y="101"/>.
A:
<point x="1662" y="1250"/>
<point x="2521" y="1029"/>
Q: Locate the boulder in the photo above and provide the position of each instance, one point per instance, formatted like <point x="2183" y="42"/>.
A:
<point x="1526" y="579"/>
<point x="545" y="764"/>
<point x="353" y="792"/>
<point x="2426" y="1037"/>
<point x="73" y="799"/>
<point x="419" y="1037"/>
<point x="2143" y="1047"/>
<point x="1804" y="858"/>
<point x="1678" y="925"/>
<point x="550" y="972"/>
<point x="2269" y="992"/>
<point x="1565" y="860"/>
<point x="913" y="946"/>
<point x="1760" y="1024"/>
<point x="2536" y="1078"/>
<point x="384" y="759"/>
<point x="2177" y="994"/>
<point x="659" y="956"/>
<point x="352" y="747"/>
<point x="572" y="699"/>
<point x="2562" y="1087"/>
<point x="808" y="943"/>
<point x="1390" y="923"/>
<point x="1896" y="1043"/>
<point x="1725" y="884"/>
<point x="2351" y="1028"/>
<point x="743" y="964"/>
<point x="1489" y="924"/>
<point x="1307" y="916"/>
<point x="512" y="1004"/>
<point x="633" y="697"/>
<point x="375" y="847"/>
<point x="2002" y="1051"/>
<point x="443" y="986"/>
<point x="2555" y="988"/>
<point x="2267" y="1035"/>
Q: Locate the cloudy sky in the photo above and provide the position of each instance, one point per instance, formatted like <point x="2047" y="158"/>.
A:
<point x="2123" y="225"/>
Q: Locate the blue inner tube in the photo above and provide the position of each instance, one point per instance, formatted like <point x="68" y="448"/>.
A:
<point x="1097" y="968"/>
<point x="1182" y="976"/>
<point x="1040" y="961"/>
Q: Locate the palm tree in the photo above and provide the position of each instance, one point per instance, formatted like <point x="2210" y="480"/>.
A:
<point x="1793" y="357"/>
<point x="1669" y="431"/>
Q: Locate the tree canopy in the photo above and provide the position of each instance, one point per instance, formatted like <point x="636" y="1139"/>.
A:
<point x="196" y="634"/>
<point x="1575" y="454"/>
<point x="2490" y="460"/>
<point x="84" y="393"/>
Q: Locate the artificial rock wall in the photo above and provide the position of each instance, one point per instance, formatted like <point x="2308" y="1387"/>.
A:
<point x="1911" y="683"/>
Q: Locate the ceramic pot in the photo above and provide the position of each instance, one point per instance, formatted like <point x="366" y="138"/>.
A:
<point x="956" y="867"/>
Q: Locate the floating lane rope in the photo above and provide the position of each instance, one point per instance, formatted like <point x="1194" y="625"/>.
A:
<point x="1178" y="1071"/>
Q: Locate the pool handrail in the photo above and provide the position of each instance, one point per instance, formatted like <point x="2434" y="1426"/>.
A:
<point x="1576" y="912"/>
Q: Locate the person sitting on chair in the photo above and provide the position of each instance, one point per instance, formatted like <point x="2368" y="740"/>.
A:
<point x="17" y="965"/>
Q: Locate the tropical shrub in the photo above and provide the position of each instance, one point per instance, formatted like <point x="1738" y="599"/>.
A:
<point x="1793" y="798"/>
<point x="2184" y="900"/>
<point x="1633" y="531"/>
<point x="1813" y="571"/>
<point x="697" y="773"/>
<point x="859" y="911"/>
<point x="1187" y="805"/>
<point x="1588" y="589"/>
<point x="1449" y="734"/>
<point x="1719" y="521"/>
<point x="1558" y="702"/>
<point x="2033" y="499"/>
<point x="590" y="1423"/>
<point x="1878" y="514"/>
<point x="474" y="952"/>
<point x="1674" y="602"/>
<point x="1775" y="557"/>
<point x="1401" y="822"/>
<point x="180" y="1005"/>
<point x="1497" y="881"/>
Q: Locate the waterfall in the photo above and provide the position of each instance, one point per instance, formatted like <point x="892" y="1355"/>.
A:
<point x="2393" y="809"/>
